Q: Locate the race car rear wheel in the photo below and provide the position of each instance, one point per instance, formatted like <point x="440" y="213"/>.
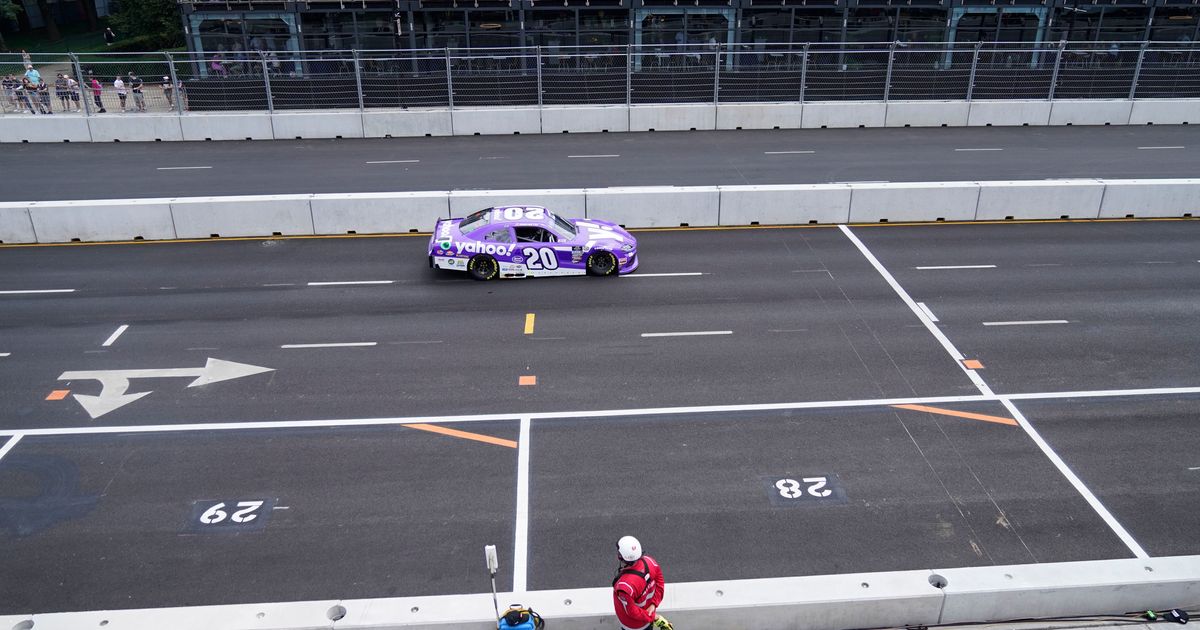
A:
<point x="602" y="263"/>
<point x="483" y="267"/>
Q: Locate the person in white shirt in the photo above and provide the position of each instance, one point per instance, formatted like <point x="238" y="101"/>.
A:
<point x="119" y="86"/>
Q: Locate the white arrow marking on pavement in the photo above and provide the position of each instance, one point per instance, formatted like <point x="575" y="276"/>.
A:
<point x="114" y="383"/>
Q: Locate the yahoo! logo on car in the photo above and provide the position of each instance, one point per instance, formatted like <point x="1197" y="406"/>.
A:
<point x="484" y="248"/>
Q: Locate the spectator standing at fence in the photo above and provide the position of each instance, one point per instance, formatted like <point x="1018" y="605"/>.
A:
<point x="73" y="92"/>
<point x="10" y="84"/>
<point x="21" y="96"/>
<point x="32" y="75"/>
<point x="60" y="91"/>
<point x="43" y="97"/>
<point x="27" y="95"/>
<point x="109" y="37"/>
<point x="122" y="93"/>
<point x="168" y="92"/>
<point x="217" y="65"/>
<point x="97" y="90"/>
<point x="135" y="86"/>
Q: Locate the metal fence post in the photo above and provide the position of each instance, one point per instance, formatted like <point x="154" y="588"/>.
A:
<point x="176" y="87"/>
<point x="449" y="80"/>
<point x="1137" y="71"/>
<point x="887" y="81"/>
<point x="1054" y="77"/>
<point x="804" y="71"/>
<point x="717" y="75"/>
<point x="628" y="74"/>
<point x="358" y="80"/>
<point x="538" y="59"/>
<point x="85" y="91"/>
<point x="974" y="66"/>
<point x="267" y="84"/>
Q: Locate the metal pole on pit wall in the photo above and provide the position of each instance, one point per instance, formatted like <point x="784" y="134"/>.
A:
<point x="1137" y="71"/>
<point x="176" y="86"/>
<point x="1054" y="77"/>
<point x="974" y="65"/>
<point x="358" y="80"/>
<point x="538" y="60"/>
<point x="887" y="81"/>
<point x="449" y="80"/>
<point x="804" y="71"/>
<point x="628" y="75"/>
<point x="85" y="92"/>
<point x="267" y="84"/>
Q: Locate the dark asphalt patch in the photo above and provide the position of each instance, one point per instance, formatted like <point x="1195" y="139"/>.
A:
<point x="921" y="491"/>
<point x="109" y="522"/>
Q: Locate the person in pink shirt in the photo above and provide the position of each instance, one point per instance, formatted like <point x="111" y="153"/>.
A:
<point x="97" y="90"/>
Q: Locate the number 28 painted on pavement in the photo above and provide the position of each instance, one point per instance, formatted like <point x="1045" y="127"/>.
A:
<point x="791" y="489"/>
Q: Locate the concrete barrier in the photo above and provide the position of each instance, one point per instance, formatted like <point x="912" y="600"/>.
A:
<point x="655" y="206"/>
<point x="1165" y="112"/>
<point x="1050" y="199"/>
<point x="15" y="224"/>
<point x="55" y="128"/>
<point x="406" y="123"/>
<point x="377" y="213"/>
<point x="672" y="117"/>
<point x="267" y="215"/>
<point x="563" y="201"/>
<point x="1008" y="113"/>
<point x="784" y="205"/>
<point x="102" y="220"/>
<point x="226" y="127"/>
<point x="292" y="125"/>
<point x="927" y="113"/>
<point x="135" y="127"/>
<point x="924" y="201"/>
<point x="1150" y="198"/>
<point x="844" y="114"/>
<point x="585" y="119"/>
<point x="485" y="121"/>
<point x="759" y="115"/>
<point x="1097" y="112"/>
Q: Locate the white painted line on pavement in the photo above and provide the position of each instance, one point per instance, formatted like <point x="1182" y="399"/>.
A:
<point x="353" y="344"/>
<point x="981" y="149"/>
<point x="1083" y="490"/>
<point x="1158" y="262"/>
<point x="667" y="275"/>
<point x="689" y="334"/>
<point x="348" y="282"/>
<point x="1154" y="148"/>
<point x="928" y="313"/>
<point x="394" y="162"/>
<point x="1194" y="468"/>
<point x="117" y="333"/>
<point x="8" y="446"/>
<point x="5" y="354"/>
<point x="498" y="157"/>
<point x="521" y="536"/>
<point x="181" y="168"/>
<point x="37" y="291"/>
<point x="787" y="152"/>
<point x="605" y="155"/>
<point x="1032" y="322"/>
<point x="603" y="413"/>
<point x="280" y="284"/>
<point x="940" y="267"/>
<point x="282" y="507"/>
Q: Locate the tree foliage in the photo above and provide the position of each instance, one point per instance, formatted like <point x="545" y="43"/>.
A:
<point x="8" y="11"/>
<point x="156" y="20"/>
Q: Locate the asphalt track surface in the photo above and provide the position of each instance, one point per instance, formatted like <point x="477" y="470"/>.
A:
<point x="995" y="465"/>
<point x="39" y="172"/>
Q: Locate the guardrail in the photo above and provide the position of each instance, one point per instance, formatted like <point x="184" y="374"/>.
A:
<point x="635" y="207"/>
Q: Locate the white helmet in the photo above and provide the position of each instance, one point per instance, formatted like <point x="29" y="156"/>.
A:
<point x="629" y="549"/>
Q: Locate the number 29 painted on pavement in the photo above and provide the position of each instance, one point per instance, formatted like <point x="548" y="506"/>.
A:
<point x="230" y="516"/>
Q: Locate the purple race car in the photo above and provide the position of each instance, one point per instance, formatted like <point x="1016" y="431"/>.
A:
<point x="522" y="241"/>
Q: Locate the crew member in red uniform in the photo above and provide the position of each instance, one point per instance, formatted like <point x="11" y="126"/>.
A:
<point x="638" y="587"/>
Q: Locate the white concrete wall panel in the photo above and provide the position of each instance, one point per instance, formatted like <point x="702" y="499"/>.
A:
<point x="566" y="202"/>
<point x="655" y="206"/>
<point x="1150" y="198"/>
<point x="58" y="128"/>
<point x="245" y="126"/>
<point x="135" y="127"/>
<point x="406" y="123"/>
<point x="672" y="117"/>
<point x="15" y="224"/>
<point x="759" y="115"/>
<point x="102" y="220"/>
<point x="784" y="205"/>
<point x="1084" y="112"/>
<point x="484" y="121"/>
<point x="291" y="125"/>
<point x="1165" y="112"/>
<point x="924" y="201"/>
<point x="584" y="119"/>
<point x="1050" y="199"/>
<point x="844" y="114"/>
<point x="201" y="217"/>
<point x="927" y="113"/>
<point x="378" y="213"/>
<point x="1009" y="113"/>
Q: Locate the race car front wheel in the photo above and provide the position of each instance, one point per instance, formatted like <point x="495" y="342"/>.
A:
<point x="602" y="264"/>
<point x="483" y="267"/>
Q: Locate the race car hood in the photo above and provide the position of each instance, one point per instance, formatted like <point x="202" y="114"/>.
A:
<point x="606" y="233"/>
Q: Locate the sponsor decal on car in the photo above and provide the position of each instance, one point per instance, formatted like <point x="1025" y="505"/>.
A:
<point x="485" y="248"/>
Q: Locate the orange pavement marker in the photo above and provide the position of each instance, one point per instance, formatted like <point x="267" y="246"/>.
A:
<point x="58" y="394"/>
<point x="972" y="364"/>
<point x="959" y="414"/>
<point x="527" y="379"/>
<point x="433" y="428"/>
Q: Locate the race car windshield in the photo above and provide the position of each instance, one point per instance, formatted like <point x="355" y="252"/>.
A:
<point x="562" y="224"/>
<point x="475" y="220"/>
